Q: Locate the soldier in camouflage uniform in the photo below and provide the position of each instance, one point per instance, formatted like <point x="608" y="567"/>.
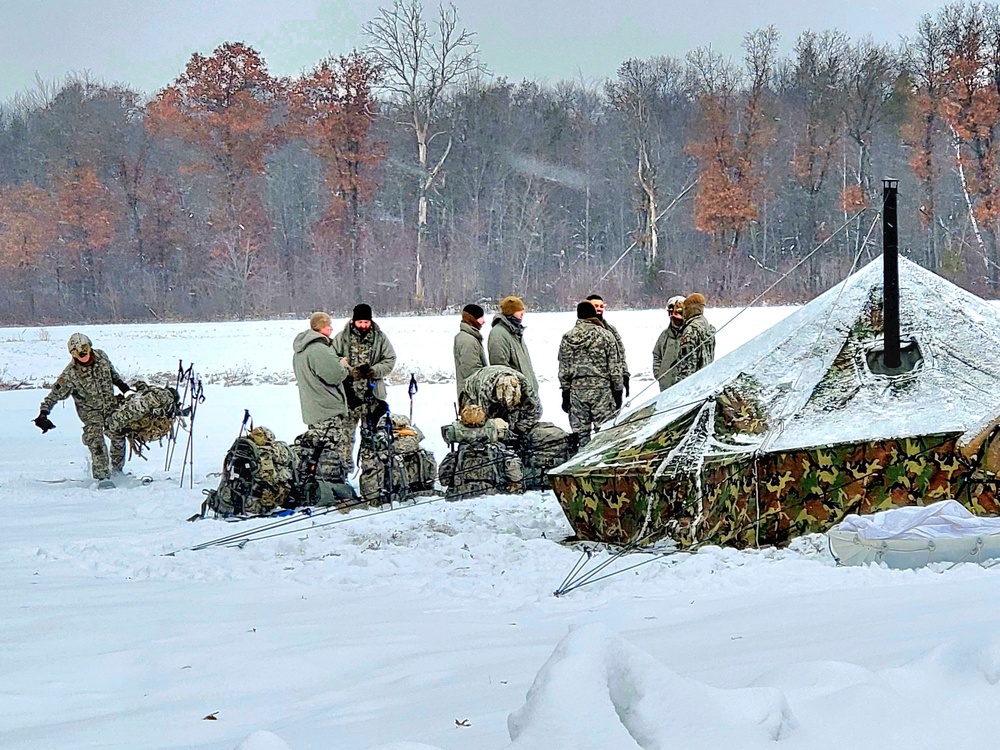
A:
<point x="90" y="379"/>
<point x="697" y="344"/>
<point x="590" y="373"/>
<point x="506" y="394"/>
<point x="370" y="358"/>
<point x="320" y="375"/>
<point x="668" y="345"/>
<point x="600" y="306"/>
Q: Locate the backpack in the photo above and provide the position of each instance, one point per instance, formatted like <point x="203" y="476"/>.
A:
<point x="257" y="477"/>
<point x="145" y="415"/>
<point x="544" y="447"/>
<point x="419" y="463"/>
<point x="320" y="473"/>
<point x="478" y="463"/>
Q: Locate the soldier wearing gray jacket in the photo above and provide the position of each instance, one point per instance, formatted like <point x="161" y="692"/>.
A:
<point x="590" y="373"/>
<point x="506" y="340"/>
<point x="468" y="350"/>
<point x="320" y="375"/>
<point x="90" y="379"/>
<point x="668" y="345"/>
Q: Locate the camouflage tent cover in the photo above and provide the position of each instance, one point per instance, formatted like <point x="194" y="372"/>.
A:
<point x="792" y="431"/>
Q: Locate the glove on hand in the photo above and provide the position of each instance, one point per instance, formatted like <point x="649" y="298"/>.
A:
<point x="617" y="396"/>
<point x="364" y="371"/>
<point x="625" y="379"/>
<point x="42" y="422"/>
<point x="565" y="401"/>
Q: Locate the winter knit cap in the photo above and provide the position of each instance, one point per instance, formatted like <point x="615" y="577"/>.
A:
<point x="694" y="304"/>
<point x="474" y="310"/>
<point x="362" y="312"/>
<point x="510" y="305"/>
<point x="675" y="302"/>
<point x="585" y="310"/>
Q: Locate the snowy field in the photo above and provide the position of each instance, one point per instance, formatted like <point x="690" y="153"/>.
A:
<point x="435" y="626"/>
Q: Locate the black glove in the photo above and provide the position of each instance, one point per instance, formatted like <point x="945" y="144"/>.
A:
<point x="617" y="396"/>
<point x="364" y="372"/>
<point x="124" y="387"/>
<point x="565" y="401"/>
<point x="625" y="380"/>
<point x="42" y="421"/>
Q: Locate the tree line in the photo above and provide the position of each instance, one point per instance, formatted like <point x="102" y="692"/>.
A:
<point x="407" y="175"/>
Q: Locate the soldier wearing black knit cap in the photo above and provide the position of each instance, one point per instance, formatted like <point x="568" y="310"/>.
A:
<point x="469" y="353"/>
<point x="370" y="359"/>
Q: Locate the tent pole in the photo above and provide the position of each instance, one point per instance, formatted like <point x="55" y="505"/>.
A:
<point x="890" y="274"/>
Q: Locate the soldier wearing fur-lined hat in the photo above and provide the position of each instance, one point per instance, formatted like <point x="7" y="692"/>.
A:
<point x="505" y="343"/>
<point x="697" y="344"/>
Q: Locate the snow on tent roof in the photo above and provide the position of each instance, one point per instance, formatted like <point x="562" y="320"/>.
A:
<point x="810" y="404"/>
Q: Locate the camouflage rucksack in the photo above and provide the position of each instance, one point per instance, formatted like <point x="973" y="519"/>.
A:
<point x="419" y="463"/>
<point x="257" y="477"/>
<point x="146" y="414"/>
<point x="478" y="463"/>
<point x="544" y="447"/>
<point x="320" y="473"/>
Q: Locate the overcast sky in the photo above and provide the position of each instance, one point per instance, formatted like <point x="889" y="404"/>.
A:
<point x="146" y="43"/>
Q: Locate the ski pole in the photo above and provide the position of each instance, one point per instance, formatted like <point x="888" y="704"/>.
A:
<point x="412" y="390"/>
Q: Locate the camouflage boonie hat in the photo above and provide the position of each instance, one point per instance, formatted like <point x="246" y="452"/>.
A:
<point x="79" y="345"/>
<point x="508" y="390"/>
<point x="473" y="415"/>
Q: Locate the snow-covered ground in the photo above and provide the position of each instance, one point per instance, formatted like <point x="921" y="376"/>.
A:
<point x="435" y="626"/>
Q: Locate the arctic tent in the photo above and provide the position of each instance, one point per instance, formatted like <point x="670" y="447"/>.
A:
<point x="798" y="427"/>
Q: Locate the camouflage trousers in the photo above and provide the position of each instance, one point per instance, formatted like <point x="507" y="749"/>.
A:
<point x="338" y="433"/>
<point x="588" y="408"/>
<point x="94" y="431"/>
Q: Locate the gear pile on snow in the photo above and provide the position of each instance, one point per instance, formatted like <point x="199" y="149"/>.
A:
<point x="257" y="477"/>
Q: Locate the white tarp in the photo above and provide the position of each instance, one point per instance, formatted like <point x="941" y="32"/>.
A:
<point x="911" y="537"/>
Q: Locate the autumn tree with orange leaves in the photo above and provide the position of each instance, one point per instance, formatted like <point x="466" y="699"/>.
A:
<point x="970" y="107"/>
<point x="332" y="108"/>
<point x="734" y="134"/>
<point x="224" y="105"/>
<point x="87" y="216"/>
<point x="27" y="233"/>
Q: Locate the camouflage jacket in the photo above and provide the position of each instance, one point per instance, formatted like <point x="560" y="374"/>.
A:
<point x="91" y="386"/>
<point x="371" y="348"/>
<point x="480" y="388"/>
<point x="621" y="347"/>
<point x="506" y="347"/>
<point x="469" y="354"/>
<point x="589" y="358"/>
<point x="697" y="346"/>
<point x="668" y="345"/>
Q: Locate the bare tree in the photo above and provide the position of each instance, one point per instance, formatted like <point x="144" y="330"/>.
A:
<point x="419" y="65"/>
